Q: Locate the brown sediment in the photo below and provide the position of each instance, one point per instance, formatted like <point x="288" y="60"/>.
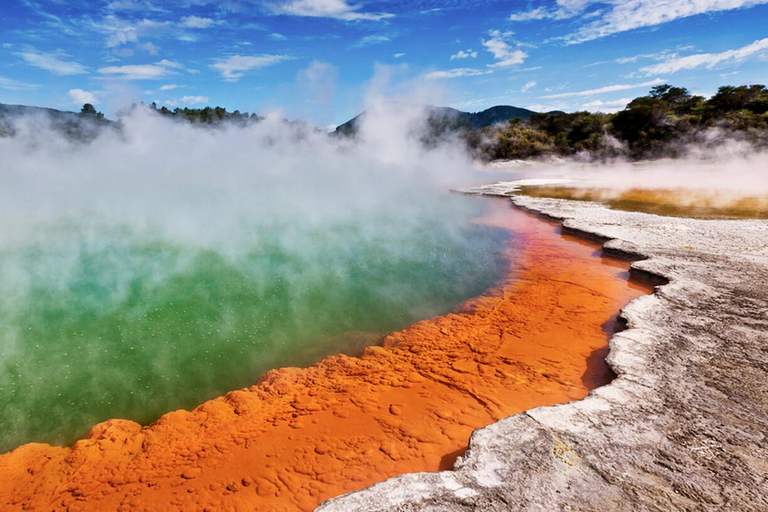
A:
<point x="300" y="436"/>
<point x="702" y="204"/>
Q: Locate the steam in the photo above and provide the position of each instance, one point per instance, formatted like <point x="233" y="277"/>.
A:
<point x="166" y="175"/>
<point x="719" y="167"/>
<point x="162" y="264"/>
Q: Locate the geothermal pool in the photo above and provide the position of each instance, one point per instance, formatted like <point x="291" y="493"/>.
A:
<point x="101" y="320"/>
<point x="300" y="436"/>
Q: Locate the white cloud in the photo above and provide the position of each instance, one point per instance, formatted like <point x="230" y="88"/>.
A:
<point x="196" y="22"/>
<point x="462" y="54"/>
<point x="629" y="15"/>
<point x="505" y="54"/>
<point x="14" y="85"/>
<point x="546" y="107"/>
<point x="234" y="67"/>
<point x="80" y="97"/>
<point x="542" y="13"/>
<point x="142" y="71"/>
<point x="398" y="55"/>
<point x="565" y="9"/>
<point x="538" y="13"/>
<point x="168" y="87"/>
<point x="194" y="100"/>
<point x="606" y="17"/>
<point x="150" y="48"/>
<point x="120" y="32"/>
<point x="336" y="9"/>
<point x="53" y="62"/>
<point x="370" y="40"/>
<point x="456" y="73"/>
<point x="606" y="106"/>
<point x="707" y="60"/>
<point x="132" y="5"/>
<point x="606" y="89"/>
<point x="527" y="87"/>
<point x="275" y="36"/>
<point x="170" y="64"/>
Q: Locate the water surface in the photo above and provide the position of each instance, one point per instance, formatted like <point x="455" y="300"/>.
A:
<point x="99" y="320"/>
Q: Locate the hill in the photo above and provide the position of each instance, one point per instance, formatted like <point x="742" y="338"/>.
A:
<point x="84" y="125"/>
<point x="446" y="117"/>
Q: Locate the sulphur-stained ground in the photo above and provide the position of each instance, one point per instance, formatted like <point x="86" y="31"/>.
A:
<point x="684" y="425"/>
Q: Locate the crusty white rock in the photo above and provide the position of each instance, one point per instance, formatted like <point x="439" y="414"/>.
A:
<point x="682" y="427"/>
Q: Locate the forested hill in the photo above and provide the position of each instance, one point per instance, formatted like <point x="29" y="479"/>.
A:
<point x="666" y="123"/>
<point x="84" y="125"/>
<point x="450" y="118"/>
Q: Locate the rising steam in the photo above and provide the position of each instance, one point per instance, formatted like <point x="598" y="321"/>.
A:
<point x="162" y="264"/>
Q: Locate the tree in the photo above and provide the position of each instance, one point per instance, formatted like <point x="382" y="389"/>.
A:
<point x="672" y="96"/>
<point x="645" y="125"/>
<point x="730" y="98"/>
<point x="89" y="110"/>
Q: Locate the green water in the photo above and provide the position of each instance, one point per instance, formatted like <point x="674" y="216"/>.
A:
<point x="101" y="321"/>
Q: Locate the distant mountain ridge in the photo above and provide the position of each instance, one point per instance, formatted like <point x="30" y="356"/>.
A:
<point x="456" y="118"/>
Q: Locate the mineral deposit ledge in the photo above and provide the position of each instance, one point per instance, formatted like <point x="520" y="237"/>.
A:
<point x="682" y="427"/>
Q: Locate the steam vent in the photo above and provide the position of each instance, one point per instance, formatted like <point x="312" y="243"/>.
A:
<point x="409" y="404"/>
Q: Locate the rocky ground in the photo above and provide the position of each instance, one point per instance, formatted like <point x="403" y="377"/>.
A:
<point x="682" y="427"/>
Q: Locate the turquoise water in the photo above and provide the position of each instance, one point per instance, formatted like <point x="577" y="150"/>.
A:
<point x="103" y="320"/>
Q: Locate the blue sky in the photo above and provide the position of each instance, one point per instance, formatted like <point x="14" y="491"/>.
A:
<point x="320" y="59"/>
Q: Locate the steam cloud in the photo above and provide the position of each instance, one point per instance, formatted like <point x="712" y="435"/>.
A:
<point x="162" y="264"/>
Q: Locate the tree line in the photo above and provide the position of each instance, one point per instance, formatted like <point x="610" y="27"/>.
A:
<point x="207" y="115"/>
<point x="660" y="124"/>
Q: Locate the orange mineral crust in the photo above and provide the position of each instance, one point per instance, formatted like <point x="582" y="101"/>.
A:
<point x="300" y="436"/>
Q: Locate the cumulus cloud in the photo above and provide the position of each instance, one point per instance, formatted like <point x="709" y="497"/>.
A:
<point x="193" y="100"/>
<point x="79" y="97"/>
<point x="501" y="50"/>
<point x="707" y="60"/>
<point x="234" y="67"/>
<point x="606" y="89"/>
<point x="336" y="9"/>
<point x="464" y="54"/>
<point x="53" y="62"/>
